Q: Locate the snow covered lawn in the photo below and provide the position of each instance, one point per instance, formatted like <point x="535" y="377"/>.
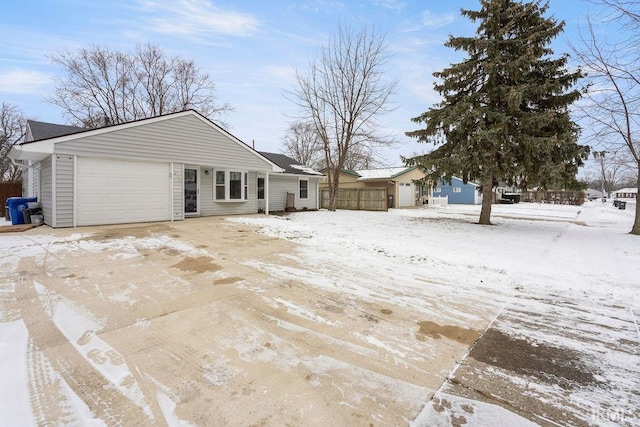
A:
<point x="556" y="287"/>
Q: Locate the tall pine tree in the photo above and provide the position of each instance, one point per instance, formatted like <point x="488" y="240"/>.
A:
<point x="505" y="109"/>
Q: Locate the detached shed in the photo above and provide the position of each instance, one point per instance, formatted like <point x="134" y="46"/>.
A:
<point x="164" y="168"/>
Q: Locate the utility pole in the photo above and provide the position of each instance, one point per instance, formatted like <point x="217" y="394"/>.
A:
<point x="600" y="155"/>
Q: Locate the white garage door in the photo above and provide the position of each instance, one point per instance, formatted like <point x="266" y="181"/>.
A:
<point x="405" y="194"/>
<point x="117" y="191"/>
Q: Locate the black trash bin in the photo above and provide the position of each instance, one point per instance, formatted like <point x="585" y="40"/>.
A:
<point x="390" y="201"/>
<point x="615" y="203"/>
<point x="622" y="205"/>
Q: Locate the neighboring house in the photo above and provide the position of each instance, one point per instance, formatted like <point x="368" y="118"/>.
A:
<point x="625" y="193"/>
<point x="593" y="194"/>
<point x="301" y="181"/>
<point x="458" y="192"/>
<point x="163" y="168"/>
<point x="398" y="181"/>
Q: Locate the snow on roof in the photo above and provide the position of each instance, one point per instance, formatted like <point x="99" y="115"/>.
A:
<point x="627" y="190"/>
<point x="386" y="173"/>
<point x="306" y="169"/>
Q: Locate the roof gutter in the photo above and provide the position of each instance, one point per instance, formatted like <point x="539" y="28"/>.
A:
<point x="24" y="165"/>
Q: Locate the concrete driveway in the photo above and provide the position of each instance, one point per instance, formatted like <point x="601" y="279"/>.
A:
<point x="169" y="323"/>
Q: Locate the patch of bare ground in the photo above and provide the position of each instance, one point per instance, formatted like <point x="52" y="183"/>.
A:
<point x="201" y="264"/>
<point x="550" y="364"/>
<point x="513" y="372"/>
<point x="456" y="333"/>
<point x="118" y="232"/>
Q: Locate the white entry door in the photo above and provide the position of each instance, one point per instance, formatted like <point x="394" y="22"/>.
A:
<point x="120" y="191"/>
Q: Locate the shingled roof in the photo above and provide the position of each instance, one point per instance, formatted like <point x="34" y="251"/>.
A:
<point x="290" y="165"/>
<point x="43" y="130"/>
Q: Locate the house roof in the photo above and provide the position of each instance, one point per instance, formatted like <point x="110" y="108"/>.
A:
<point x="290" y="165"/>
<point x="42" y="130"/>
<point x="381" y="174"/>
<point x="474" y="184"/>
<point x="350" y="172"/>
<point x="627" y="190"/>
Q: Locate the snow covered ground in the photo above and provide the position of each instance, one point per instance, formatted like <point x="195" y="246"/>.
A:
<point x="553" y="292"/>
<point x="556" y="282"/>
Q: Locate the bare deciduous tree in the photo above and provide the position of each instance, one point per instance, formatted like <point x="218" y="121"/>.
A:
<point x="102" y="84"/>
<point x="13" y="125"/>
<point x="361" y="157"/>
<point x="301" y="142"/>
<point x="343" y="94"/>
<point x="613" y="94"/>
<point x="613" y="170"/>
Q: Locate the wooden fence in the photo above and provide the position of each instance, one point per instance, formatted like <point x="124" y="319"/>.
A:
<point x="8" y="189"/>
<point x="366" y="199"/>
<point x="558" y="197"/>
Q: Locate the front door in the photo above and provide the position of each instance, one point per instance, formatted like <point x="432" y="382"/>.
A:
<point x="191" y="190"/>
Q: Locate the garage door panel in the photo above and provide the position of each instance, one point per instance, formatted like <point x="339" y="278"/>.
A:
<point x="117" y="191"/>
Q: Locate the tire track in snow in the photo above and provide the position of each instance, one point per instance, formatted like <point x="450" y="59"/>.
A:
<point x="99" y="394"/>
<point x="48" y="402"/>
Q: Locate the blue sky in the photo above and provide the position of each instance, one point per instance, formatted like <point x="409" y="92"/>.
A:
<point x="249" y="48"/>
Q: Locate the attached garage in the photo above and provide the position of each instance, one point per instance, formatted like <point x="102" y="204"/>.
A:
<point x="119" y="191"/>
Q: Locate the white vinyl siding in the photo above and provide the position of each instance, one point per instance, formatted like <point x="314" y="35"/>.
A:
<point x="178" y="193"/>
<point x="280" y="185"/>
<point x="46" y="198"/>
<point x="25" y="181"/>
<point x="64" y="191"/>
<point x="34" y="183"/>
<point x="184" y="139"/>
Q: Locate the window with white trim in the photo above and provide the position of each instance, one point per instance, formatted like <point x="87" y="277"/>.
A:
<point x="260" y="188"/>
<point x="304" y="188"/>
<point x="437" y="190"/>
<point x="457" y="189"/>
<point x="230" y="185"/>
<point x="220" y="185"/>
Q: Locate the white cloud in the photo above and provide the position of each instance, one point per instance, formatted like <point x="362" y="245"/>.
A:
<point x="436" y="20"/>
<point x="391" y="4"/>
<point x="196" y="17"/>
<point x="18" y="81"/>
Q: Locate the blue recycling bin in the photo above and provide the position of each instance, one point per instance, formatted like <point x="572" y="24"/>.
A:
<point x="16" y="205"/>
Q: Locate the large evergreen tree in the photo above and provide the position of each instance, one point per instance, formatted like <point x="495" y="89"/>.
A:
<point x="505" y="108"/>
